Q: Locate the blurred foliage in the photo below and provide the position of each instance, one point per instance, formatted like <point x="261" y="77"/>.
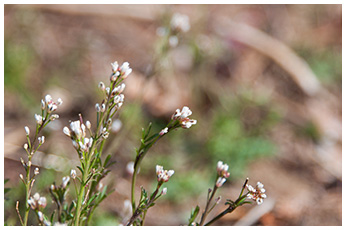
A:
<point x="325" y="63"/>
<point x="239" y="133"/>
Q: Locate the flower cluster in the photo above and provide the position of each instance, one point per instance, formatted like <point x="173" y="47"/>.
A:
<point x="120" y="71"/>
<point x="163" y="175"/>
<point x="222" y="172"/>
<point x="77" y="132"/>
<point x="48" y="105"/>
<point x="183" y="117"/>
<point x="256" y="194"/>
<point x="37" y="202"/>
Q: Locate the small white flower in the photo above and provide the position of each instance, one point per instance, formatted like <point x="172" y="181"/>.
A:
<point x="54" y="116"/>
<point x="38" y="119"/>
<point x="97" y="107"/>
<point x="164" y="191"/>
<point x="163" y="175"/>
<point x="59" y="102"/>
<point x="256" y="194"/>
<point x="125" y="70"/>
<point x="43" y="104"/>
<point x="173" y="41"/>
<point x="65" y="181"/>
<point x="27" y="130"/>
<point x="180" y="22"/>
<point x="67" y="131"/>
<point x="41" y="140"/>
<point x="73" y="174"/>
<point x="163" y="131"/>
<point x="115" y="66"/>
<point x="103" y="107"/>
<point x="36" y="171"/>
<point x="40" y="215"/>
<point x="220" y="181"/>
<point x="26" y="146"/>
<point x="116" y="126"/>
<point x="222" y="169"/>
<point x="102" y="86"/>
<point x="48" y="99"/>
<point x="88" y="124"/>
<point x="130" y="167"/>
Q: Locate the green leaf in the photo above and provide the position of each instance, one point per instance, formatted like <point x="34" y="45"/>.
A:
<point x="80" y="169"/>
<point x="148" y="131"/>
<point x="193" y="215"/>
<point x="151" y="138"/>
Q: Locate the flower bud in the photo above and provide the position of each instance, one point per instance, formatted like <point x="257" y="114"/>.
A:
<point x="27" y="130"/>
<point x="73" y="174"/>
<point x="164" y="191"/>
<point x="36" y="171"/>
<point x="97" y="107"/>
<point x="102" y="86"/>
<point x="26" y="146"/>
<point x="88" y="124"/>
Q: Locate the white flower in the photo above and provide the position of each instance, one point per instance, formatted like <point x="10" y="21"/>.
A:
<point x="222" y="169"/>
<point x="41" y="140"/>
<point x="48" y="99"/>
<point x="77" y="129"/>
<point x="220" y="181"/>
<point x="73" y="174"/>
<point x="37" y="202"/>
<point x="43" y="104"/>
<point x="163" y="131"/>
<point x="40" y="215"/>
<point x="97" y="107"/>
<point x="115" y="66"/>
<point x="38" y="119"/>
<point x="116" y="126"/>
<point x="88" y="124"/>
<point x="163" y="175"/>
<point x="26" y="146"/>
<point x="183" y="117"/>
<point x="102" y="86"/>
<point x="27" y="130"/>
<point x="67" y="131"/>
<point x="125" y="70"/>
<point x="180" y="22"/>
<point x="130" y="167"/>
<point x="36" y="171"/>
<point x="54" y="116"/>
<point x="65" y="181"/>
<point x="164" y="191"/>
<point x="173" y="41"/>
<point x="59" y="102"/>
<point x="256" y="194"/>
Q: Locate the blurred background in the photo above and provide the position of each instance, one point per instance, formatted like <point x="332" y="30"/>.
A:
<point x="263" y="81"/>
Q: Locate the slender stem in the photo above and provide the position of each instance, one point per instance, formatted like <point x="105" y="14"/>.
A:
<point x="140" y="156"/>
<point x="80" y="195"/>
<point x="27" y="191"/>
<point x="205" y="213"/>
<point x="20" y="217"/>
<point x="137" y="212"/>
<point x="227" y="210"/>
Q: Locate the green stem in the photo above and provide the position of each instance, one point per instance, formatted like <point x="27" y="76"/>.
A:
<point x="227" y="210"/>
<point x="205" y="213"/>
<point x="80" y="196"/>
<point x="27" y="192"/>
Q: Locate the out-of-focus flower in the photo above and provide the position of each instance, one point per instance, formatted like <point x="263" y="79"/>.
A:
<point x="163" y="131"/>
<point x="256" y="194"/>
<point x="130" y="167"/>
<point x="173" y="41"/>
<point x="102" y="86"/>
<point x="164" y="191"/>
<point x="116" y="126"/>
<point x="220" y="181"/>
<point x="37" y="202"/>
<point x="73" y="174"/>
<point x="222" y="169"/>
<point x="41" y="140"/>
<point x="38" y="119"/>
<point x="163" y="175"/>
<point x="27" y="130"/>
<point x="180" y="22"/>
<point x="65" y="181"/>
<point x="36" y="171"/>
